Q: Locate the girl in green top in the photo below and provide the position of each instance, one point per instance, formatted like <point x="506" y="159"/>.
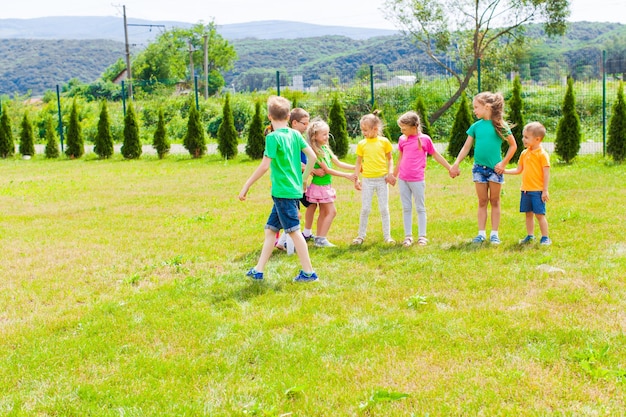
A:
<point x="320" y="191"/>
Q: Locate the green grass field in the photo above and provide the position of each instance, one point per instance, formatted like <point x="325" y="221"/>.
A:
<point x="122" y="293"/>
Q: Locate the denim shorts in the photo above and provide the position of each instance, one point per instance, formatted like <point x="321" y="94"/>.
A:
<point x="531" y="203"/>
<point x="484" y="174"/>
<point x="284" y="215"/>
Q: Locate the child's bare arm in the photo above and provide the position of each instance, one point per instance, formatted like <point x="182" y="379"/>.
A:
<point x="258" y="173"/>
<point x="546" y="182"/>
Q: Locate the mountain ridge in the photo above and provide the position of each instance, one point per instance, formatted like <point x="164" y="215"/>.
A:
<point x="142" y="31"/>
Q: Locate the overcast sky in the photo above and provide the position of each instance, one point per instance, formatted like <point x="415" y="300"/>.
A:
<point x="359" y="13"/>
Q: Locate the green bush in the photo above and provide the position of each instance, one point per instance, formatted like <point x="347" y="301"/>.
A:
<point x="420" y="108"/>
<point x="131" y="148"/>
<point x="516" y="117"/>
<point x="52" y="144"/>
<point x="103" y="146"/>
<point x="194" y="140"/>
<point x="256" y="139"/>
<point x="462" y="122"/>
<point x="7" y="144"/>
<point x="616" y="145"/>
<point x="27" y="141"/>
<point x="338" y="129"/>
<point x="227" y="134"/>
<point x="568" y="137"/>
<point x="75" y="143"/>
<point x="160" y="141"/>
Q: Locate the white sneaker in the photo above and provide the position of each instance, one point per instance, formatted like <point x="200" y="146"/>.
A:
<point x="323" y="243"/>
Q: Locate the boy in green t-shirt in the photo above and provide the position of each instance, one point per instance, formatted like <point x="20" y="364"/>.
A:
<point x="282" y="158"/>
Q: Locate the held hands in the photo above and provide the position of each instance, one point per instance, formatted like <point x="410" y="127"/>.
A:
<point x="499" y="168"/>
<point x="390" y="179"/>
<point x="352" y="177"/>
<point x="454" y="171"/>
<point x="357" y="185"/>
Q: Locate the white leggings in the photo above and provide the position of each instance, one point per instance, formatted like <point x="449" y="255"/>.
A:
<point x="416" y="190"/>
<point x="369" y="186"/>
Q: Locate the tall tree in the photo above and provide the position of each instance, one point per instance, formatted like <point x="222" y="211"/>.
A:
<point x="338" y="127"/>
<point x="166" y="59"/>
<point x="131" y="148"/>
<point x="75" y="142"/>
<point x="516" y="117"/>
<point x="256" y="139"/>
<point x="470" y="29"/>
<point x="420" y="109"/>
<point x="194" y="140"/>
<point x="52" y="145"/>
<point x="568" y="136"/>
<point x="7" y="144"/>
<point x="616" y="146"/>
<point x="462" y="122"/>
<point x="103" y="146"/>
<point x="227" y="137"/>
<point x="160" y="141"/>
<point x="27" y="140"/>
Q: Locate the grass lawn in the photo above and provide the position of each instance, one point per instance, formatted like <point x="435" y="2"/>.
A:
<point x="122" y="293"/>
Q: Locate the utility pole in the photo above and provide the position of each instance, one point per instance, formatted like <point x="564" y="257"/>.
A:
<point x="206" y="66"/>
<point x="128" y="69"/>
<point x="191" y="69"/>
<point x="128" y="72"/>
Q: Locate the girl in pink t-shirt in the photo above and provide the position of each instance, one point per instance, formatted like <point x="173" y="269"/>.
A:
<point x="414" y="147"/>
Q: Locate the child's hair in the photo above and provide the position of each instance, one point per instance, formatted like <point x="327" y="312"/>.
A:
<point x="536" y="130"/>
<point x="315" y="126"/>
<point x="372" y="120"/>
<point x="297" y="114"/>
<point x="495" y="101"/>
<point x="278" y="108"/>
<point x="411" y="118"/>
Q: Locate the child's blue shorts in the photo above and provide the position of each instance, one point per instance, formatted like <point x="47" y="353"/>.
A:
<point x="484" y="174"/>
<point x="531" y="203"/>
<point x="284" y="215"/>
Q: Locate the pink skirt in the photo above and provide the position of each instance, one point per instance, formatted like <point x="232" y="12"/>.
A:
<point x="320" y="194"/>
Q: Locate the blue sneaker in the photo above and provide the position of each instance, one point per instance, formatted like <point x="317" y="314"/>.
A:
<point x="304" y="277"/>
<point x="479" y="239"/>
<point x="309" y="237"/>
<point x="252" y="273"/>
<point x="545" y="240"/>
<point x="528" y="239"/>
<point x="494" y="240"/>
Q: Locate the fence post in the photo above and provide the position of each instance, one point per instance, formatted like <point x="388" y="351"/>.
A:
<point x="604" y="103"/>
<point x="478" y="70"/>
<point x="278" y="83"/>
<point x="60" y="118"/>
<point x="123" y="99"/>
<point x="195" y="83"/>
<point x="372" y="85"/>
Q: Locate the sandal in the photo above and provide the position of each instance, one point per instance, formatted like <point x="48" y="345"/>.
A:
<point x="422" y="241"/>
<point x="408" y="242"/>
<point x="358" y="240"/>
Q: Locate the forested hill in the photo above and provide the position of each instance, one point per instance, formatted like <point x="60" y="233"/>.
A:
<point x="39" y="65"/>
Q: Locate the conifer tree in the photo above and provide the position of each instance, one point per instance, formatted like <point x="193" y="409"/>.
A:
<point x="160" y="142"/>
<point x="568" y="136"/>
<point x="131" y="148"/>
<point x="420" y="109"/>
<point x="194" y="140"/>
<point x="27" y="142"/>
<point x="616" y="146"/>
<point x="462" y="121"/>
<point x="52" y="145"/>
<point x="516" y="117"/>
<point x="103" y="146"/>
<point x="338" y="127"/>
<point x="75" y="143"/>
<point x="7" y="144"/>
<point x="256" y="139"/>
<point x="227" y="134"/>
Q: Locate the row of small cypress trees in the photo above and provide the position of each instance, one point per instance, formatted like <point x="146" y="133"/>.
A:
<point x="567" y="143"/>
<point x="568" y="133"/>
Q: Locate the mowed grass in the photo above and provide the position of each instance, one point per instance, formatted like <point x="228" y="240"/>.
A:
<point x="122" y="293"/>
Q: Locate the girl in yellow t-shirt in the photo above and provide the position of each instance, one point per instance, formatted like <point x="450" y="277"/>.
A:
<point x="375" y="163"/>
